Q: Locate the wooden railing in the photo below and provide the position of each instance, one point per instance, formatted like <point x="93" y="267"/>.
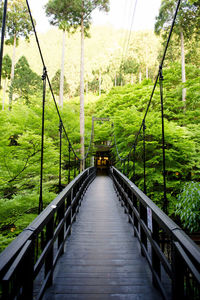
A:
<point x="27" y="264"/>
<point x="173" y="257"/>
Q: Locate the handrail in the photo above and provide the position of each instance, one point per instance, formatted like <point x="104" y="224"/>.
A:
<point x="42" y="242"/>
<point x="171" y="254"/>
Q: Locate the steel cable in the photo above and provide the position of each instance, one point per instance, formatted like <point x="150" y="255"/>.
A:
<point x="52" y="93"/>
<point x="154" y="87"/>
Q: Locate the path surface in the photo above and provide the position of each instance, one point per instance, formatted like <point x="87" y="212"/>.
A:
<point x="102" y="258"/>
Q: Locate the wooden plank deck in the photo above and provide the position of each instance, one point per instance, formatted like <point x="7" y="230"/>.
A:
<point x="102" y="258"/>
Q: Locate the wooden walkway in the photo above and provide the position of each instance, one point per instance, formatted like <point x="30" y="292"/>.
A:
<point x="102" y="258"/>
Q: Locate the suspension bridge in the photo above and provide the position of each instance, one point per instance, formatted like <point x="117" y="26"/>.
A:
<point x="101" y="237"/>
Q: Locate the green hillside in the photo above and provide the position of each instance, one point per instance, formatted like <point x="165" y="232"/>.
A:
<point x="103" y="51"/>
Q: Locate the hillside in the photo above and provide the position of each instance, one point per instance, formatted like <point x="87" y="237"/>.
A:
<point x="103" y="51"/>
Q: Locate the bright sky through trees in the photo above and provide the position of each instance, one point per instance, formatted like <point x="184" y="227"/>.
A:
<point x="120" y="14"/>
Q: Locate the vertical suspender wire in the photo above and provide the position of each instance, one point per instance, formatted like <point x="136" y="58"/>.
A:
<point x="165" y="204"/>
<point x="69" y="162"/>
<point x="60" y="157"/>
<point x="44" y="76"/>
<point x="74" y="166"/>
<point x="124" y="167"/>
<point x="144" y="155"/>
<point x="3" y="35"/>
<point x="127" y="170"/>
<point x="134" y="150"/>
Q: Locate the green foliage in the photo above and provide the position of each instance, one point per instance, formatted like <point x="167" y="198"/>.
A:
<point x="126" y="106"/>
<point x="187" y="21"/>
<point x="56" y="84"/>
<point x="26" y="82"/>
<point x="18" y="20"/>
<point x="6" y="67"/>
<point x="20" y="146"/>
<point x="71" y="12"/>
<point x="188" y="206"/>
<point x="129" y="66"/>
<point x="94" y="85"/>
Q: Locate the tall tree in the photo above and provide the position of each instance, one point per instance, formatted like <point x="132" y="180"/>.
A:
<point x="78" y="13"/>
<point x="26" y="82"/>
<point x="60" y="14"/>
<point x="56" y="84"/>
<point x="6" y="72"/>
<point x="187" y="24"/>
<point x="18" y="25"/>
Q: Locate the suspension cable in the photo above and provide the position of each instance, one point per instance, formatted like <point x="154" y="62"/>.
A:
<point x="154" y="87"/>
<point x="133" y="17"/>
<point x="128" y="35"/>
<point x="3" y="35"/>
<point x="52" y="93"/>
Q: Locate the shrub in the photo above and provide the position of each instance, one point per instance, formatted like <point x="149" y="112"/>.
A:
<point x="188" y="206"/>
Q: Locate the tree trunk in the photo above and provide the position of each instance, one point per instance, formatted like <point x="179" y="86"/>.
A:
<point x="99" y="83"/>
<point x="115" y="79"/>
<point x="183" y="67"/>
<point x="62" y="71"/>
<point x="82" y="118"/>
<point x="12" y="73"/>
<point x="4" y="94"/>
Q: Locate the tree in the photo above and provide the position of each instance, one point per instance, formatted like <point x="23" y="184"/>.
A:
<point x="56" y="84"/>
<point x="129" y="66"/>
<point x="78" y="13"/>
<point x="18" y="25"/>
<point x="61" y="16"/>
<point x="107" y="83"/>
<point x="143" y="50"/>
<point x="6" y="72"/>
<point x="187" y="24"/>
<point x="26" y="82"/>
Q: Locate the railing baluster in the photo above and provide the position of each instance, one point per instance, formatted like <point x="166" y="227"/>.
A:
<point x="69" y="218"/>
<point x="61" y="212"/>
<point x="49" y="257"/>
<point x="178" y="274"/>
<point x="143" y="237"/>
<point x="155" y="258"/>
<point x="28" y="268"/>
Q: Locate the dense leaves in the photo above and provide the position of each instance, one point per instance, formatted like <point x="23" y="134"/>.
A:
<point x="20" y="146"/>
<point x="18" y="20"/>
<point x="56" y="84"/>
<point x="188" y="206"/>
<point x="26" y="83"/>
<point x="126" y="106"/>
<point x="188" y="18"/>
